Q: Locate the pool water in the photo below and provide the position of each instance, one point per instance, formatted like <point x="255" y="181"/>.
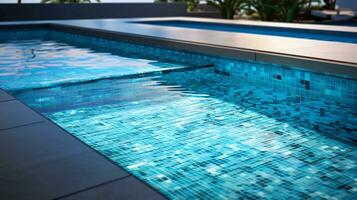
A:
<point x="282" y="32"/>
<point x="37" y="63"/>
<point x="195" y="133"/>
<point x="198" y="135"/>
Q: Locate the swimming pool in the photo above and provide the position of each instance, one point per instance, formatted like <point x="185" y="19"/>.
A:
<point x="273" y="31"/>
<point x="236" y="130"/>
<point x="47" y="62"/>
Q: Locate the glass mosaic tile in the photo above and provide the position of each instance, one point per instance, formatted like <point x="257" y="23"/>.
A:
<point x="202" y="135"/>
<point x="238" y="130"/>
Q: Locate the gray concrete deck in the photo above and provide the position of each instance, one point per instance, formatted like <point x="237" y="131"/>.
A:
<point x="39" y="160"/>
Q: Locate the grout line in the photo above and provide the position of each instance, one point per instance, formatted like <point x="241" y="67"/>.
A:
<point x="92" y="187"/>
<point x="23" y="125"/>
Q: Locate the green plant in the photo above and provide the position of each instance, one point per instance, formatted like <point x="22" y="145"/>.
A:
<point x="290" y="9"/>
<point x="191" y="4"/>
<point x="228" y="8"/>
<point x="330" y="4"/>
<point x="315" y="5"/>
<point x="278" y="10"/>
<point x="67" y="1"/>
<point x="266" y="9"/>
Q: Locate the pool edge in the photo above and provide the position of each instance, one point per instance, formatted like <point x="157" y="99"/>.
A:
<point x="329" y="67"/>
<point x="114" y="172"/>
<point x="314" y="64"/>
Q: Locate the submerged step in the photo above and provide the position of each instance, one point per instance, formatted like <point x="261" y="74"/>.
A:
<point x="35" y="64"/>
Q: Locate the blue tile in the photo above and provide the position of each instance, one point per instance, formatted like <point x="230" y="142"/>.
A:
<point x="201" y="134"/>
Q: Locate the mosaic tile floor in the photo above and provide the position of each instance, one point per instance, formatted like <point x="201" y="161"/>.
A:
<point x="201" y="135"/>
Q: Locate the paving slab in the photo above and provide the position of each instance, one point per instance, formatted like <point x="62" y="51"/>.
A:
<point x="39" y="160"/>
<point x="127" y="188"/>
<point x="59" y="177"/>
<point x="340" y="51"/>
<point x="36" y="144"/>
<point x="14" y="114"/>
<point x="4" y="96"/>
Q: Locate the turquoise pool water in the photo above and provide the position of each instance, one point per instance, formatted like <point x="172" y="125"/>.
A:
<point x="283" y="32"/>
<point x="239" y="130"/>
<point x="199" y="135"/>
<point x="44" y="63"/>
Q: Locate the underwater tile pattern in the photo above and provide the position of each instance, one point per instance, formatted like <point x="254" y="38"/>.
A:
<point x="28" y="64"/>
<point x="202" y="135"/>
<point x="285" y="77"/>
<point x="240" y="130"/>
<point x="301" y="81"/>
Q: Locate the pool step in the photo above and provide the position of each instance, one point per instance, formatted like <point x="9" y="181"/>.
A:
<point x="125" y="76"/>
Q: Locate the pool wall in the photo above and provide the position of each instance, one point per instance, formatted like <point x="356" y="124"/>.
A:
<point x="287" y="79"/>
<point x="344" y="69"/>
<point x="291" y="78"/>
<point x="294" y="81"/>
<point x="272" y="75"/>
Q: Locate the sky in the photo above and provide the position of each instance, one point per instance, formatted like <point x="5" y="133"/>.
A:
<point x="103" y="1"/>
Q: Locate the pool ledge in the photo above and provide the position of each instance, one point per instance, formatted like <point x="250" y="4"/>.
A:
<point x="40" y="160"/>
<point x="328" y="57"/>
